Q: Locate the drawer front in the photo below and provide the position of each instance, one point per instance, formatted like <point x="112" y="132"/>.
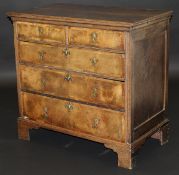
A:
<point x="74" y="116"/>
<point x="41" y="32"/>
<point x="75" y="86"/>
<point x="82" y="60"/>
<point x="96" y="38"/>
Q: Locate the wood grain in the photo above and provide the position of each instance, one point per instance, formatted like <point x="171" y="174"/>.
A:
<point x="80" y="118"/>
<point x="80" y="87"/>
<point x="80" y="60"/>
<point x="104" y="38"/>
<point x="148" y="86"/>
<point x="41" y="32"/>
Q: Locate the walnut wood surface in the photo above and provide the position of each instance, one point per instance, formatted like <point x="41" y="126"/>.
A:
<point x="104" y="38"/>
<point x="41" y="32"/>
<point x="81" y="60"/>
<point x="81" y="117"/>
<point x="80" y="87"/>
<point x="109" y="85"/>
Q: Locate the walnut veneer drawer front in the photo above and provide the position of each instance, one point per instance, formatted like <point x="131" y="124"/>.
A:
<point x="41" y="32"/>
<point x="82" y="60"/>
<point x="74" y="116"/>
<point x="74" y="86"/>
<point x="99" y="73"/>
<point x="96" y="38"/>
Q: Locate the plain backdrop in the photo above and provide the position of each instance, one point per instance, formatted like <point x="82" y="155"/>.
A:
<point x="55" y="153"/>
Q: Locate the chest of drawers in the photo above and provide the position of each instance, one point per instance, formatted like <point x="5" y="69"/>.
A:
<point x="94" y="72"/>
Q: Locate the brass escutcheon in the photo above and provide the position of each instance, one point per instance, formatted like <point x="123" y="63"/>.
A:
<point x="94" y="36"/>
<point x="95" y="122"/>
<point x="69" y="107"/>
<point x="45" y="114"/>
<point x="66" y="52"/>
<point x="94" y="61"/>
<point x="68" y="77"/>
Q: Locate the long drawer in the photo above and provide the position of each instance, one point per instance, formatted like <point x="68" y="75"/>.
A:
<point x="81" y="60"/>
<point x="92" y="120"/>
<point x="41" y="32"/>
<point x="75" y="86"/>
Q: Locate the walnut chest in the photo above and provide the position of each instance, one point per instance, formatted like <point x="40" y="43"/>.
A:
<point x="98" y="73"/>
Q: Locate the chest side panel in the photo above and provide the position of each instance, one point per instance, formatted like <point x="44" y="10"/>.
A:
<point x="148" y="77"/>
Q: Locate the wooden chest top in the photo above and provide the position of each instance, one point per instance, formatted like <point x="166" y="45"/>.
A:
<point x="115" y="16"/>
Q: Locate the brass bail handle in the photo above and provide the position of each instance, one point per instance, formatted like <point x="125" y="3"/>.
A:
<point x="95" y="123"/>
<point x="43" y="81"/>
<point x="94" y="36"/>
<point x="41" y="30"/>
<point x="41" y="55"/>
<point x="94" y="92"/>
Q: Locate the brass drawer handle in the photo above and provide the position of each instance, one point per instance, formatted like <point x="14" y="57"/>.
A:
<point x="94" y="92"/>
<point x="45" y="114"/>
<point x="95" y="123"/>
<point x="68" y="77"/>
<point x="94" y="37"/>
<point x="66" y="52"/>
<point x="94" y="61"/>
<point x="69" y="107"/>
<point x="41" y="55"/>
<point x="41" y="30"/>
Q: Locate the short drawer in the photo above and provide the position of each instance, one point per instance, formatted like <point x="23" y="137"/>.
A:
<point x="81" y="60"/>
<point x="75" y="86"/>
<point x="41" y="32"/>
<point x="96" y="38"/>
<point x="92" y="120"/>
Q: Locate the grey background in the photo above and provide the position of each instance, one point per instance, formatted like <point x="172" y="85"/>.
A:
<point x="55" y="153"/>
